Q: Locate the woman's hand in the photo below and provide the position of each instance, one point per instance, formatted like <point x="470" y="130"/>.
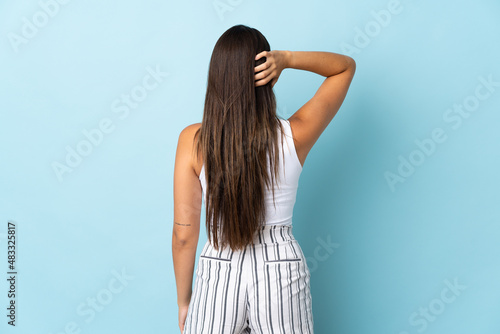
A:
<point x="276" y="62"/>
<point x="183" y="310"/>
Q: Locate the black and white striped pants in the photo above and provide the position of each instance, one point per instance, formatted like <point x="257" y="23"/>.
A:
<point x="262" y="289"/>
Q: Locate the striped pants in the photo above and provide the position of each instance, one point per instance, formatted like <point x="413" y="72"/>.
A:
<point x="262" y="289"/>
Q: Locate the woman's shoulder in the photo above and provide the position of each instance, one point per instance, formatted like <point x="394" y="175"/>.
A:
<point x="186" y="136"/>
<point x="192" y="128"/>
<point x="186" y="141"/>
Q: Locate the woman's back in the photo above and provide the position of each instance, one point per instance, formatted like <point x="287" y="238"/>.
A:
<point x="279" y="211"/>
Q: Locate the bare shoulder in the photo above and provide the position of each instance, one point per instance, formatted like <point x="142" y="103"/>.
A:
<point x="190" y="129"/>
<point x="186" y="136"/>
<point x="186" y="141"/>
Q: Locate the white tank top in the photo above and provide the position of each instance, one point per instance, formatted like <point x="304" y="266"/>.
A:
<point x="286" y="185"/>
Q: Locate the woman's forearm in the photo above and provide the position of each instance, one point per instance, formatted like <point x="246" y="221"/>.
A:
<point x="323" y="63"/>
<point x="184" y="256"/>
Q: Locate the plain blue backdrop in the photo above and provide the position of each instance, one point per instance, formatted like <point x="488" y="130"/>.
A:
<point x="397" y="208"/>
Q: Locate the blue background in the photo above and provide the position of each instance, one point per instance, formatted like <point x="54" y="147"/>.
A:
<point x="397" y="248"/>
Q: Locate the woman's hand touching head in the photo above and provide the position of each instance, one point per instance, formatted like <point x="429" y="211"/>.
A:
<point x="270" y="71"/>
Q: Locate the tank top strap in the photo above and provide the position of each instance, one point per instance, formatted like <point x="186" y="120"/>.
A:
<point x="290" y="145"/>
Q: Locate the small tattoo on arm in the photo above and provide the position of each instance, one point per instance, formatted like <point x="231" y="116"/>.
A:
<point x="182" y="224"/>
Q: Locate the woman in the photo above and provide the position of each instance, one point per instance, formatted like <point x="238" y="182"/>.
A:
<point x="245" y="162"/>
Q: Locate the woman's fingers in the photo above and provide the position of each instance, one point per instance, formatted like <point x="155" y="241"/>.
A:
<point x="259" y="83"/>
<point x="264" y="75"/>
<point x="260" y="55"/>
<point x="265" y="65"/>
<point x="264" y="80"/>
<point x="261" y="67"/>
<point x="265" y="72"/>
<point x="262" y="72"/>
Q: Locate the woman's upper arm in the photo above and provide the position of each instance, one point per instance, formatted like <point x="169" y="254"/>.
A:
<point x="187" y="190"/>
<point x="309" y="122"/>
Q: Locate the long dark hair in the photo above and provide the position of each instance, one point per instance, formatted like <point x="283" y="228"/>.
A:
<point x="238" y="138"/>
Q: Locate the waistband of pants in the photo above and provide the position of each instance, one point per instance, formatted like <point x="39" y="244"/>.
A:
<point x="274" y="234"/>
